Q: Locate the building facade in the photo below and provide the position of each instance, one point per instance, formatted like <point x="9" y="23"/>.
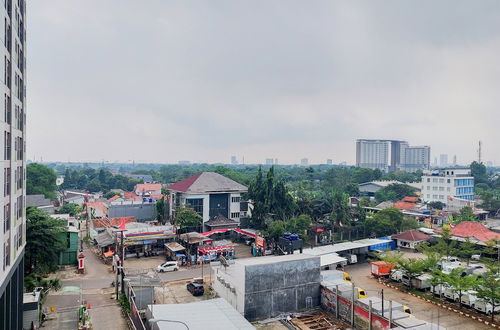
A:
<point x="415" y="158"/>
<point x="210" y="194"/>
<point x="391" y="155"/>
<point x="447" y="184"/>
<point x="12" y="200"/>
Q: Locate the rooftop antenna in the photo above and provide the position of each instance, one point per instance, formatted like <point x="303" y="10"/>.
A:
<point x="479" y="152"/>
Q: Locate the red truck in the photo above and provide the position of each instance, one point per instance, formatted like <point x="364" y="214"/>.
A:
<point x="381" y="268"/>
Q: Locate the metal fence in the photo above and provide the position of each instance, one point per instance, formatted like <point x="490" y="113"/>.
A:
<point x="135" y="315"/>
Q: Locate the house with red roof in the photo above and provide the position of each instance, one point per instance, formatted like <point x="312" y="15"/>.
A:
<point x="211" y="195"/>
<point x="147" y="189"/>
<point x="410" y="239"/>
<point x="475" y="231"/>
<point x="97" y="209"/>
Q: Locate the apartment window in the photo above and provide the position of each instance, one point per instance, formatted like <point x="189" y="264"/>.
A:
<point x="235" y="199"/>
<point x="428" y="180"/>
<point x="196" y="204"/>
<point x="434" y="196"/>
<point x="20" y="235"/>
<point x="7" y="145"/>
<point x="6" y="253"/>
<point x="6" y="178"/>
<point x="19" y="207"/>
<point x="435" y="188"/>
<point x="441" y="188"/>
<point x="6" y="216"/>
<point x="8" y="109"/>
<point x="434" y="180"/>
<point x="428" y="187"/>
<point x="428" y="196"/>
<point x="448" y="189"/>
<point x="235" y="214"/>
<point x="448" y="181"/>
<point x="441" y="180"/>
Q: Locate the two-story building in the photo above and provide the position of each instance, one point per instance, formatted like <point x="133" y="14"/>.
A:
<point x="447" y="184"/>
<point x="210" y="194"/>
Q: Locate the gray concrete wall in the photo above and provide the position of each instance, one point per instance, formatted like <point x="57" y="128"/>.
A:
<point x="283" y="287"/>
<point x="141" y="212"/>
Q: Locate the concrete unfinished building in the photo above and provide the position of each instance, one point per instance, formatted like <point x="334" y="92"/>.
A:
<point x="265" y="287"/>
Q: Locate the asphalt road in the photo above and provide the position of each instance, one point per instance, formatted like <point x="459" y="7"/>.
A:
<point x="185" y="273"/>
<point x="360" y="273"/>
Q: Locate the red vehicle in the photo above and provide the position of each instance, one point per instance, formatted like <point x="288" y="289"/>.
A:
<point x="381" y="268"/>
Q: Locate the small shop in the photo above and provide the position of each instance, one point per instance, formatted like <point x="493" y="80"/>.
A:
<point x="146" y="240"/>
<point x="216" y="249"/>
<point x="175" y="251"/>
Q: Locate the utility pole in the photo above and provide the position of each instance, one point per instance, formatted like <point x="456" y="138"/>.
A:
<point x="382" y="292"/>
<point x="122" y="264"/>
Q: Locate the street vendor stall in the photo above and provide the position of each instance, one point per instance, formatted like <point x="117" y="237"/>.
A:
<point x="175" y="251"/>
<point x="216" y="249"/>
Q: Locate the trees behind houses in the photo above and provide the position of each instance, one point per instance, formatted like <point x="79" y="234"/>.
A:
<point x="41" y="180"/>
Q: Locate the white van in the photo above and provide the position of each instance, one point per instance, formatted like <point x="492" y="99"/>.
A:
<point x="469" y="298"/>
<point x="484" y="307"/>
<point x="169" y="266"/>
<point x="448" y="293"/>
<point x="396" y="275"/>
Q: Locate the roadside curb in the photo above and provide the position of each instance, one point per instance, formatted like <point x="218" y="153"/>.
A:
<point x="493" y="325"/>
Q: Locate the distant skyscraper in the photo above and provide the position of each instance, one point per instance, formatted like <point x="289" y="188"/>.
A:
<point x="415" y="158"/>
<point x="269" y="161"/>
<point x="275" y="161"/>
<point x="184" y="162"/>
<point x="455" y="160"/>
<point x="234" y="160"/>
<point x="329" y="162"/>
<point x="12" y="203"/>
<point x="304" y="162"/>
<point x="443" y="160"/>
<point x="435" y="162"/>
<point x="391" y="155"/>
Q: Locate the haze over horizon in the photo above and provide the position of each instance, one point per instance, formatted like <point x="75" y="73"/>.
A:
<point x="201" y="81"/>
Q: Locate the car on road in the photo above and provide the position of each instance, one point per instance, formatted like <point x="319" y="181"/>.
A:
<point x="195" y="288"/>
<point x="169" y="266"/>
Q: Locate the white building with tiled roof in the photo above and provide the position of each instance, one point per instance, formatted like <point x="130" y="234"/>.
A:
<point x="210" y="194"/>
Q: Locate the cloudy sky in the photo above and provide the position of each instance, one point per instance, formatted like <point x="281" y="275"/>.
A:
<point x="162" y="81"/>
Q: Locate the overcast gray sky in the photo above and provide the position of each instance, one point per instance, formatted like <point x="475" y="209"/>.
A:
<point x="162" y="81"/>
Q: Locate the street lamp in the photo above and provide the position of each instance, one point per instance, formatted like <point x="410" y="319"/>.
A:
<point x="172" y="321"/>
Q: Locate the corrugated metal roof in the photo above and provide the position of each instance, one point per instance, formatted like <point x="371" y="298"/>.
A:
<point x="208" y="314"/>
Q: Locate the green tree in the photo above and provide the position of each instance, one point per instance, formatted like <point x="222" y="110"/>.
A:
<point x="479" y="172"/>
<point x="160" y="209"/>
<point x="110" y="194"/>
<point x="467" y="249"/>
<point x="488" y="289"/>
<point x="41" y="180"/>
<point x="339" y="216"/>
<point x="186" y="217"/>
<point x="466" y="214"/>
<point x="43" y="242"/>
<point x="70" y="208"/>
<point x="459" y="283"/>
<point x="394" y="192"/>
<point x="435" y="205"/>
<point x="385" y="222"/>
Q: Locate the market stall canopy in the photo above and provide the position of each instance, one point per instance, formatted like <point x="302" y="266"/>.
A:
<point x="174" y="247"/>
<point x="108" y="254"/>
<point x="104" y="239"/>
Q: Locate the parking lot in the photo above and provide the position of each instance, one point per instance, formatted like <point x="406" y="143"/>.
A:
<point x="360" y="274"/>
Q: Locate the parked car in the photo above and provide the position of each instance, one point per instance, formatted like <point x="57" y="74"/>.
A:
<point x="195" y="288"/>
<point x="169" y="266"/>
<point x="450" y="294"/>
<point x="484" y="307"/>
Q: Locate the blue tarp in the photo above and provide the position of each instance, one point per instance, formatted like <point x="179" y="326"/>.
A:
<point x="180" y="255"/>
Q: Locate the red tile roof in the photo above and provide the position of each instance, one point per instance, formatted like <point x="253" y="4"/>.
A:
<point x="114" y="198"/>
<point x="184" y="185"/>
<point x="98" y="205"/>
<point x="113" y="222"/>
<point x="148" y="186"/>
<point x="404" y="205"/>
<point x="411" y="235"/>
<point x="131" y="195"/>
<point x="411" y="199"/>
<point x="475" y="230"/>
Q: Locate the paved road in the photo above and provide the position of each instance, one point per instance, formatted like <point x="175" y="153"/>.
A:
<point x="184" y="273"/>
<point x="105" y="313"/>
<point x="360" y="274"/>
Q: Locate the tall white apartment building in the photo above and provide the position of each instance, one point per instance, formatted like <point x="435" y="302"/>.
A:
<point x="13" y="171"/>
<point x="447" y="184"/>
<point x="415" y="158"/>
<point x="391" y="155"/>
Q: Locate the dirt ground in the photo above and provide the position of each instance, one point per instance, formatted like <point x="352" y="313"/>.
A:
<point x="360" y="273"/>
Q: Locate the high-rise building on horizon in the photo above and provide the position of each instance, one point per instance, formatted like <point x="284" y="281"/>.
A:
<point x="443" y="160"/>
<point x="304" y="162"/>
<point x="234" y="160"/>
<point x="12" y="205"/>
<point x="329" y="162"/>
<point x="391" y="155"/>
<point x="269" y="161"/>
